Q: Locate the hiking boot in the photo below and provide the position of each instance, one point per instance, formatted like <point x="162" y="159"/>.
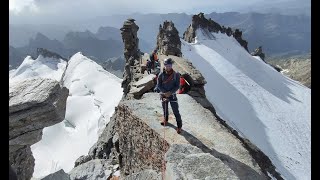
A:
<point x="179" y="130"/>
<point x="162" y="123"/>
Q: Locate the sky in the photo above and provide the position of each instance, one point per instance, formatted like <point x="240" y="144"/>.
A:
<point x="264" y="106"/>
<point x="53" y="10"/>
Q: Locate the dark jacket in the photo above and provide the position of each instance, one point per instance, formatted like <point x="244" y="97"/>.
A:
<point x="172" y="85"/>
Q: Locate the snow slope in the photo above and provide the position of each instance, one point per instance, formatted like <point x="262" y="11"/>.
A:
<point x="41" y="67"/>
<point x="93" y="95"/>
<point x="264" y="106"/>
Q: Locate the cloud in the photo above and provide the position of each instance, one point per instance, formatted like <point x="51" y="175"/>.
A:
<point x="17" y="6"/>
<point x="58" y="10"/>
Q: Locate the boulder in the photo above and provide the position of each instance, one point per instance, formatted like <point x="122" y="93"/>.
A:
<point x="143" y="85"/>
<point x="33" y="105"/>
<point x="59" y="175"/>
<point x="96" y="169"/>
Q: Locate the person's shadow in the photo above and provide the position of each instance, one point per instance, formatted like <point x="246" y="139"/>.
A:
<point x="243" y="171"/>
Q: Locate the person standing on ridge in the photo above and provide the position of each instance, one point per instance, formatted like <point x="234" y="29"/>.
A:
<point x="168" y="84"/>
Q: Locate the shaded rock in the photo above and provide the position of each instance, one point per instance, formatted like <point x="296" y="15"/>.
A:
<point x="12" y="174"/>
<point x="276" y="67"/>
<point x="81" y="160"/>
<point x="145" y="174"/>
<point x="59" y="175"/>
<point x="131" y="52"/>
<point x="22" y="162"/>
<point x="189" y="162"/>
<point x="92" y="170"/>
<point x="238" y="36"/>
<point x="258" y="52"/>
<point x="33" y="105"/>
<point x="46" y="53"/>
<point x="208" y="26"/>
<point x="199" y="21"/>
<point x="168" y="40"/>
<point x="130" y="39"/>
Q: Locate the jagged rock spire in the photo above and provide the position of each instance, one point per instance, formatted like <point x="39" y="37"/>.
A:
<point x="258" y="52"/>
<point x="130" y="39"/>
<point x="131" y="51"/>
<point x="168" y="40"/>
<point x="199" y="21"/>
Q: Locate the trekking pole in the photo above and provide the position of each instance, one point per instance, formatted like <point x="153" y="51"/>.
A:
<point x="164" y="136"/>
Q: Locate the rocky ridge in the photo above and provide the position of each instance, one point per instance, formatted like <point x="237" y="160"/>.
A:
<point x="208" y="25"/>
<point x="135" y="139"/>
<point x="33" y="105"/>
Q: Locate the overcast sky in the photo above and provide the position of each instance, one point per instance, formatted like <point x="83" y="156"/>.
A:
<point x="80" y="9"/>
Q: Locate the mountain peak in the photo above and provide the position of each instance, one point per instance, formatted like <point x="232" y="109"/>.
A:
<point x="49" y="54"/>
<point x="168" y="40"/>
<point x="200" y="21"/>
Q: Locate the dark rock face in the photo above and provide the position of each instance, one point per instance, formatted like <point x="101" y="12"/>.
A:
<point x="258" y="52"/>
<point x="199" y="21"/>
<point x="33" y="105"/>
<point x="49" y="54"/>
<point x="22" y="162"/>
<point x="59" y="175"/>
<point x="168" y="40"/>
<point x="131" y="52"/>
<point x="130" y="39"/>
<point x="238" y="36"/>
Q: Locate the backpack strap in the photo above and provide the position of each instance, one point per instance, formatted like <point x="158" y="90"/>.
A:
<point x="169" y="78"/>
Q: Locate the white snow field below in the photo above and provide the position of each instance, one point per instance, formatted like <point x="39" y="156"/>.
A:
<point x="264" y="106"/>
<point x="93" y="95"/>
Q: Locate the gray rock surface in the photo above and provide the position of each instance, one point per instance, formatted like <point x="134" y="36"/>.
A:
<point x="143" y="85"/>
<point x="168" y="40"/>
<point x="33" y="105"/>
<point x="145" y="174"/>
<point x="59" y="175"/>
<point x="97" y="169"/>
<point x="142" y="142"/>
<point x="185" y="161"/>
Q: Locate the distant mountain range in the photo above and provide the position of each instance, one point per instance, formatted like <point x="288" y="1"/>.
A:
<point x="99" y="47"/>
<point x="277" y="34"/>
